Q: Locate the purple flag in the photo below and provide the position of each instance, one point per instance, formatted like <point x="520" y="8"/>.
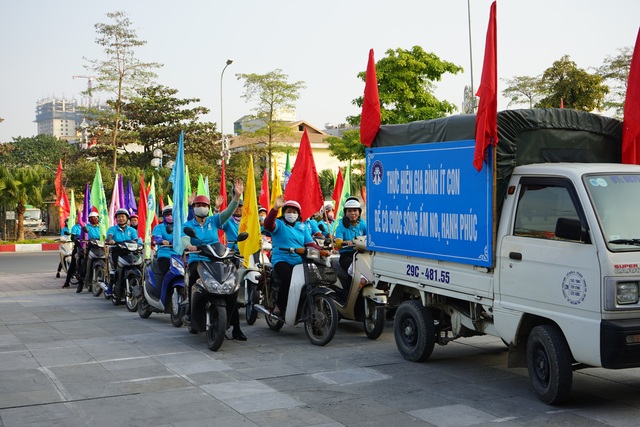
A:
<point x="121" y="191"/>
<point x="130" y="200"/>
<point x="86" y="208"/>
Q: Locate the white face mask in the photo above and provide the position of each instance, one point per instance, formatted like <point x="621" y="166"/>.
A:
<point x="291" y="217"/>
<point x="201" y="211"/>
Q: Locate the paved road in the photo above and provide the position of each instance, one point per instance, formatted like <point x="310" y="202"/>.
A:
<point x="75" y="360"/>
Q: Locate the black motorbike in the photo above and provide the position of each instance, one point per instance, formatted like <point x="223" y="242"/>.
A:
<point x="128" y="274"/>
<point x="94" y="262"/>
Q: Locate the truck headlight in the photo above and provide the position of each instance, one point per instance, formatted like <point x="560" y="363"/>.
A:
<point x="627" y="293"/>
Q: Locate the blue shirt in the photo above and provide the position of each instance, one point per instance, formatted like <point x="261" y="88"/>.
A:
<point x="344" y="233"/>
<point x="207" y="233"/>
<point x="119" y="234"/>
<point x="231" y="231"/>
<point x="327" y="228"/>
<point x="159" y="234"/>
<point x="312" y="224"/>
<point x="287" y="236"/>
<point x="64" y="229"/>
<point x="93" y="231"/>
<point x="75" y="230"/>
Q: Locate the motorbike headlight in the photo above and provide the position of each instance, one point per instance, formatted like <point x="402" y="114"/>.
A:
<point x="313" y="253"/>
<point x="177" y="265"/>
<point x="627" y="293"/>
<point x="228" y="287"/>
<point x="132" y="246"/>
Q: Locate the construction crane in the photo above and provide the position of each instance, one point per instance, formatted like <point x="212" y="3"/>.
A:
<point x="90" y="80"/>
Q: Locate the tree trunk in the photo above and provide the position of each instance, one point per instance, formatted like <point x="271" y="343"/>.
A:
<point x="20" y="221"/>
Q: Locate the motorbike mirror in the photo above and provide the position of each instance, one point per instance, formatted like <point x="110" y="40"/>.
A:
<point x="322" y="227"/>
<point x="242" y="236"/>
<point x="66" y="233"/>
<point x="189" y="232"/>
<point x="169" y="229"/>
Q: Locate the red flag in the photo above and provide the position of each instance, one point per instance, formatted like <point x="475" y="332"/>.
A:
<point x="487" y="116"/>
<point x="370" y="119"/>
<point x="160" y="202"/>
<point x="337" y="190"/>
<point x="223" y="192"/>
<point x="561" y="103"/>
<point x="64" y="209"/>
<point x="58" y="183"/>
<point x="304" y="184"/>
<point x="142" y="210"/>
<point x="264" y="198"/>
<point x="631" y="123"/>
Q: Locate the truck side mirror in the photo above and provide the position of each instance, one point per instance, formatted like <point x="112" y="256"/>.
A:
<point x="569" y="229"/>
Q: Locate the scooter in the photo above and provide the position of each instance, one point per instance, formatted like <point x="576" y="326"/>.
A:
<point x="96" y="263"/>
<point x="309" y="300"/>
<point x="162" y="293"/>
<point x="251" y="281"/>
<point x="215" y="293"/>
<point x="65" y="251"/>
<point x="356" y="296"/>
<point x="128" y="274"/>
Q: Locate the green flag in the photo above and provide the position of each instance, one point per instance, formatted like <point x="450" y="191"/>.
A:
<point x="99" y="201"/>
<point x="202" y="191"/>
<point x="72" y="211"/>
<point x="151" y="211"/>
<point x="346" y="193"/>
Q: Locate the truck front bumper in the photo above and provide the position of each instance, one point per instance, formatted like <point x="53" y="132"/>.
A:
<point x="620" y="343"/>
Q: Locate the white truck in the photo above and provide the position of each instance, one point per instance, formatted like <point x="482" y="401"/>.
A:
<point x="540" y="250"/>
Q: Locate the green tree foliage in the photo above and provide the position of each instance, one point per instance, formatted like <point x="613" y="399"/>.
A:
<point x="577" y="88"/>
<point x="523" y="90"/>
<point x="120" y="73"/>
<point x="347" y="147"/>
<point x="272" y="94"/>
<point x="405" y="86"/>
<point x="615" y="71"/>
<point x="20" y="187"/>
<point x="43" y="150"/>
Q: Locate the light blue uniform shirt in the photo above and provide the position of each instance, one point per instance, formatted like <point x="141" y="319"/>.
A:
<point x="287" y="236"/>
<point x="207" y="233"/>
<point x="122" y="234"/>
<point x="159" y="234"/>
<point x="93" y="232"/>
<point x="344" y="233"/>
<point x="231" y="231"/>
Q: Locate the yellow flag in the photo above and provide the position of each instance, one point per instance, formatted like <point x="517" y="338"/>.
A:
<point x="250" y="222"/>
<point x="276" y="188"/>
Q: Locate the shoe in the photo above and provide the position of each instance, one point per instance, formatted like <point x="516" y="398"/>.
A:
<point x="238" y="335"/>
<point x="66" y="285"/>
<point x="79" y="291"/>
<point x="58" y="275"/>
<point x="109" y="291"/>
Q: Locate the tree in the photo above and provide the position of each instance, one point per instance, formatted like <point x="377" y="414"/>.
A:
<point x="405" y="86"/>
<point x="21" y="187"/>
<point x="44" y="150"/>
<point x="577" y="88"/>
<point x="273" y="95"/>
<point x="523" y="90"/>
<point x="121" y="72"/>
<point x="616" y="71"/>
<point x="347" y="147"/>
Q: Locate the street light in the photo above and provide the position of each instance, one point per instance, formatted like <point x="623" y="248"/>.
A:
<point x="156" y="162"/>
<point x="224" y="154"/>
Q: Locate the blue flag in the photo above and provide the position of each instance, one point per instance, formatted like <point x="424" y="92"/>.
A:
<point x="177" y="180"/>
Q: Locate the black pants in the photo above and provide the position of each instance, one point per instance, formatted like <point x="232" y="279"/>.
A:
<point x="282" y="271"/>
<point x="163" y="265"/>
<point x="234" y="320"/>
<point x="72" y="266"/>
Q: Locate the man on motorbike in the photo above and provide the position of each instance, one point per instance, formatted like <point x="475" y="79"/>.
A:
<point x="206" y="228"/>
<point x="121" y="232"/>
<point x="63" y="233"/>
<point x="75" y="232"/>
<point x="164" y="240"/>
<point x="287" y="231"/>
<point x="93" y="233"/>
<point x="351" y="226"/>
<point x="133" y="221"/>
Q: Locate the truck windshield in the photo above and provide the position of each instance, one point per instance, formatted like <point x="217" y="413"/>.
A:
<point x="32" y="214"/>
<point x="616" y="200"/>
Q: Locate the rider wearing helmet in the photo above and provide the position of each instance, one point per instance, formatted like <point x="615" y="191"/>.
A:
<point x="351" y="226"/>
<point x="133" y="221"/>
<point x="206" y="229"/>
<point x="162" y="235"/>
<point x="92" y="228"/>
<point x="287" y="231"/>
<point x="327" y="219"/>
<point x="121" y="232"/>
<point x="77" y="248"/>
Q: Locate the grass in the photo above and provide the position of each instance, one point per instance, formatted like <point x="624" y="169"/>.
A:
<point x="14" y="242"/>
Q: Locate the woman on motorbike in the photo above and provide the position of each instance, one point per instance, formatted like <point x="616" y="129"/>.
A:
<point x="206" y="228"/>
<point x="327" y="219"/>
<point x="286" y="231"/>
<point x="121" y="232"/>
<point x="351" y="226"/>
<point x="164" y="239"/>
<point x="63" y="233"/>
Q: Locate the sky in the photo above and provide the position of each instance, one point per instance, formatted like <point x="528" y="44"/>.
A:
<point x="324" y="43"/>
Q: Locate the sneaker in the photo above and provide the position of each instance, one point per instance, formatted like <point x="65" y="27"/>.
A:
<point x="109" y="291"/>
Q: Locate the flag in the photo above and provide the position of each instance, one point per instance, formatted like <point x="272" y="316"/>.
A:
<point x="121" y="193"/>
<point x="58" y="182"/>
<point x="345" y="193"/>
<point x="187" y="186"/>
<point x="115" y="201"/>
<point x="130" y="201"/>
<point x="86" y="208"/>
<point x="160" y="201"/>
<point x="179" y="196"/>
<point x="304" y="184"/>
<point x="276" y="188"/>
<point x="250" y="222"/>
<point x="287" y="168"/>
<point x="72" y="211"/>
<point x="206" y="185"/>
<point x="201" y="190"/>
<point x="487" y="116"/>
<point x="99" y="201"/>
<point x="631" y="122"/>
<point x="142" y="211"/>
<point x="264" y="191"/>
<point x="151" y="211"/>
<point x="337" y="190"/>
<point x="561" y="103"/>
<point x="63" y="203"/>
<point x="370" y="119"/>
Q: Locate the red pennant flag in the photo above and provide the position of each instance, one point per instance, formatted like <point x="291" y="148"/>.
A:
<point x="561" y="103"/>
<point x="487" y="116"/>
<point x="58" y="183"/>
<point x="223" y="192"/>
<point x="264" y="198"/>
<point x="304" y="184"/>
<point x="64" y="209"/>
<point x="370" y="119"/>
<point x="631" y="123"/>
<point x="337" y="191"/>
<point x="142" y="210"/>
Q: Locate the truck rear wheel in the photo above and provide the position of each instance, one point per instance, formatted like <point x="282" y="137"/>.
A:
<point x="549" y="363"/>
<point x="414" y="331"/>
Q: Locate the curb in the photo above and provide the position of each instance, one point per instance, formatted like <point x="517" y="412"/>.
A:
<point x="30" y="247"/>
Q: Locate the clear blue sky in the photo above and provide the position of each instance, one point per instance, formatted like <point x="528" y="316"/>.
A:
<point x="323" y="43"/>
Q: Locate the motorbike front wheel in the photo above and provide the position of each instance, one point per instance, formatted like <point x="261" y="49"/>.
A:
<point x="323" y="322"/>
<point x="143" y="308"/>
<point x="98" y="277"/>
<point x="132" y="301"/>
<point x="216" y="326"/>
<point x="176" y="300"/>
<point x="374" y="319"/>
<point x="252" y="298"/>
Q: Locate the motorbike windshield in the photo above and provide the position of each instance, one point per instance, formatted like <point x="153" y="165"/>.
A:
<point x="616" y="200"/>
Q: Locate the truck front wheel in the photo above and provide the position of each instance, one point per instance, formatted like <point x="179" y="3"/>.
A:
<point x="549" y="364"/>
<point x="414" y="331"/>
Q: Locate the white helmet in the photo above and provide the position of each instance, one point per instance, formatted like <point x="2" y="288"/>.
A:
<point x="352" y="203"/>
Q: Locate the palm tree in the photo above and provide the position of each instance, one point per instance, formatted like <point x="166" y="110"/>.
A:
<point x="22" y="187"/>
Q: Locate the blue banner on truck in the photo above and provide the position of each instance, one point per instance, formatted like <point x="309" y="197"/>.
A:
<point x="427" y="200"/>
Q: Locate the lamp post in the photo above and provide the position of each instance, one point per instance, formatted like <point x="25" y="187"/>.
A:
<point x="156" y="162"/>
<point x="224" y="154"/>
<point x="473" y="94"/>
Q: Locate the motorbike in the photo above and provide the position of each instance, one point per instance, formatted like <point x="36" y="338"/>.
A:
<point x="356" y="297"/>
<point x="66" y="249"/>
<point x="128" y="274"/>
<point x="95" y="261"/>
<point x="214" y="294"/>
<point x="252" y="280"/>
<point x="309" y="300"/>
<point x="160" y="293"/>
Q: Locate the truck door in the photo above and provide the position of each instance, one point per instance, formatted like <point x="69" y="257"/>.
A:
<point x="547" y="263"/>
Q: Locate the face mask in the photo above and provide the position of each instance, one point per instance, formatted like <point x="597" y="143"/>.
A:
<point x="262" y="219"/>
<point x="291" y="217"/>
<point x="201" y="211"/>
<point x="330" y="217"/>
<point x="168" y="219"/>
